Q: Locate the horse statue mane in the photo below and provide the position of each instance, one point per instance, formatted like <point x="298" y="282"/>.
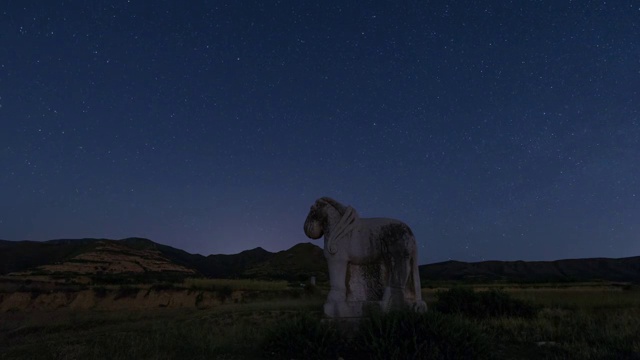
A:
<point x="344" y="227"/>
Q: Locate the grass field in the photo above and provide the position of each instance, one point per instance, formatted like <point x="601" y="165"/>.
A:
<point x="589" y="321"/>
<point x="235" y="284"/>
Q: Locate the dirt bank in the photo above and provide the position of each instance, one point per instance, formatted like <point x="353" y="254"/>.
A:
<point x="114" y="299"/>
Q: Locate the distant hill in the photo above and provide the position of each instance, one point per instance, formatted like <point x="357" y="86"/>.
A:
<point x="625" y="269"/>
<point x="298" y="263"/>
<point x="23" y="255"/>
<point x="103" y="261"/>
<point x="104" y="258"/>
<point x="217" y="266"/>
<point x="145" y="257"/>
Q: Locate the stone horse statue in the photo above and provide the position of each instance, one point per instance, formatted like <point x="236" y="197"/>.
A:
<point x="372" y="261"/>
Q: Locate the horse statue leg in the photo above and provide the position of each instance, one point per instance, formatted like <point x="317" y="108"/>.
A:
<point x="337" y="298"/>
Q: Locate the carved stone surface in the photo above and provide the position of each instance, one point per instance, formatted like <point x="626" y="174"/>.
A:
<point x="372" y="261"/>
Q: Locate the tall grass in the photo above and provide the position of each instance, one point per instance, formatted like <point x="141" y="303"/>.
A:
<point x="302" y="336"/>
<point x="570" y="324"/>
<point x="580" y="298"/>
<point x="570" y="334"/>
<point x="393" y="336"/>
<point x="431" y="335"/>
<point x="485" y="304"/>
<point x="179" y="336"/>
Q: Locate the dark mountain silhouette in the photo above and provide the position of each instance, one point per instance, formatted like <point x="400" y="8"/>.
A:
<point x="306" y="259"/>
<point x="23" y="255"/>
<point x="298" y="263"/>
<point x="624" y="269"/>
<point x="221" y="266"/>
<point x="17" y="256"/>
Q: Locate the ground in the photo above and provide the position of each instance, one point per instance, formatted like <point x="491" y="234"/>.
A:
<point x="589" y="320"/>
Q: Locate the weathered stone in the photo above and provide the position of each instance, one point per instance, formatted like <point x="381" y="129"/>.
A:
<point x="372" y="262"/>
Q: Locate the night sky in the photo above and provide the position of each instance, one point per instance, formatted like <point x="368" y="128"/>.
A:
<point x="497" y="130"/>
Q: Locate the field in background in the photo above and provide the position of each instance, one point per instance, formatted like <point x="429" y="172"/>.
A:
<point x="587" y="320"/>
<point x="235" y="284"/>
<point x="562" y="295"/>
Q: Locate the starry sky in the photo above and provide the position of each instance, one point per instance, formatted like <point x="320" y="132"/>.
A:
<point x="499" y="130"/>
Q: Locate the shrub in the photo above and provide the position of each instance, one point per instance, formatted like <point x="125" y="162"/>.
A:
<point x="224" y="293"/>
<point x="100" y="291"/>
<point x="302" y="337"/>
<point x="296" y="293"/>
<point x="199" y="298"/>
<point x="493" y="303"/>
<point x="126" y="292"/>
<point x="311" y="290"/>
<point x="431" y="335"/>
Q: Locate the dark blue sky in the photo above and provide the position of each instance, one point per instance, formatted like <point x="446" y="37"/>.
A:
<point x="502" y="130"/>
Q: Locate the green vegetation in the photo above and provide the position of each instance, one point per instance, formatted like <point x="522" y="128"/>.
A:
<point x="588" y="298"/>
<point x="432" y="335"/>
<point x="484" y="304"/>
<point x="302" y="336"/>
<point x="597" y="321"/>
<point x="137" y="278"/>
<point x="563" y="334"/>
<point x="228" y="332"/>
<point x="235" y="284"/>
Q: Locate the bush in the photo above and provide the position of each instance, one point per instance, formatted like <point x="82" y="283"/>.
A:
<point x="100" y="291"/>
<point x="126" y="292"/>
<point x="199" y="298"/>
<point x="493" y="303"/>
<point x="311" y="290"/>
<point x="409" y="335"/>
<point x="224" y="293"/>
<point x="302" y="337"/>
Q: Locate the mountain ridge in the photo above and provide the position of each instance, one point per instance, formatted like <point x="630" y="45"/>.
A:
<point x="586" y="269"/>
<point x="303" y="260"/>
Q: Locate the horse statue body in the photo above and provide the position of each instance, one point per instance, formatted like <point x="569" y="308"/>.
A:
<point x="372" y="261"/>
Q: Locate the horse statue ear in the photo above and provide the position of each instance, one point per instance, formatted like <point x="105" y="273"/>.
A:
<point x="343" y="229"/>
<point x="336" y="205"/>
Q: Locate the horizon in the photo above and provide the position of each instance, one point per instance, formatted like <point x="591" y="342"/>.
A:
<point x="319" y="246"/>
